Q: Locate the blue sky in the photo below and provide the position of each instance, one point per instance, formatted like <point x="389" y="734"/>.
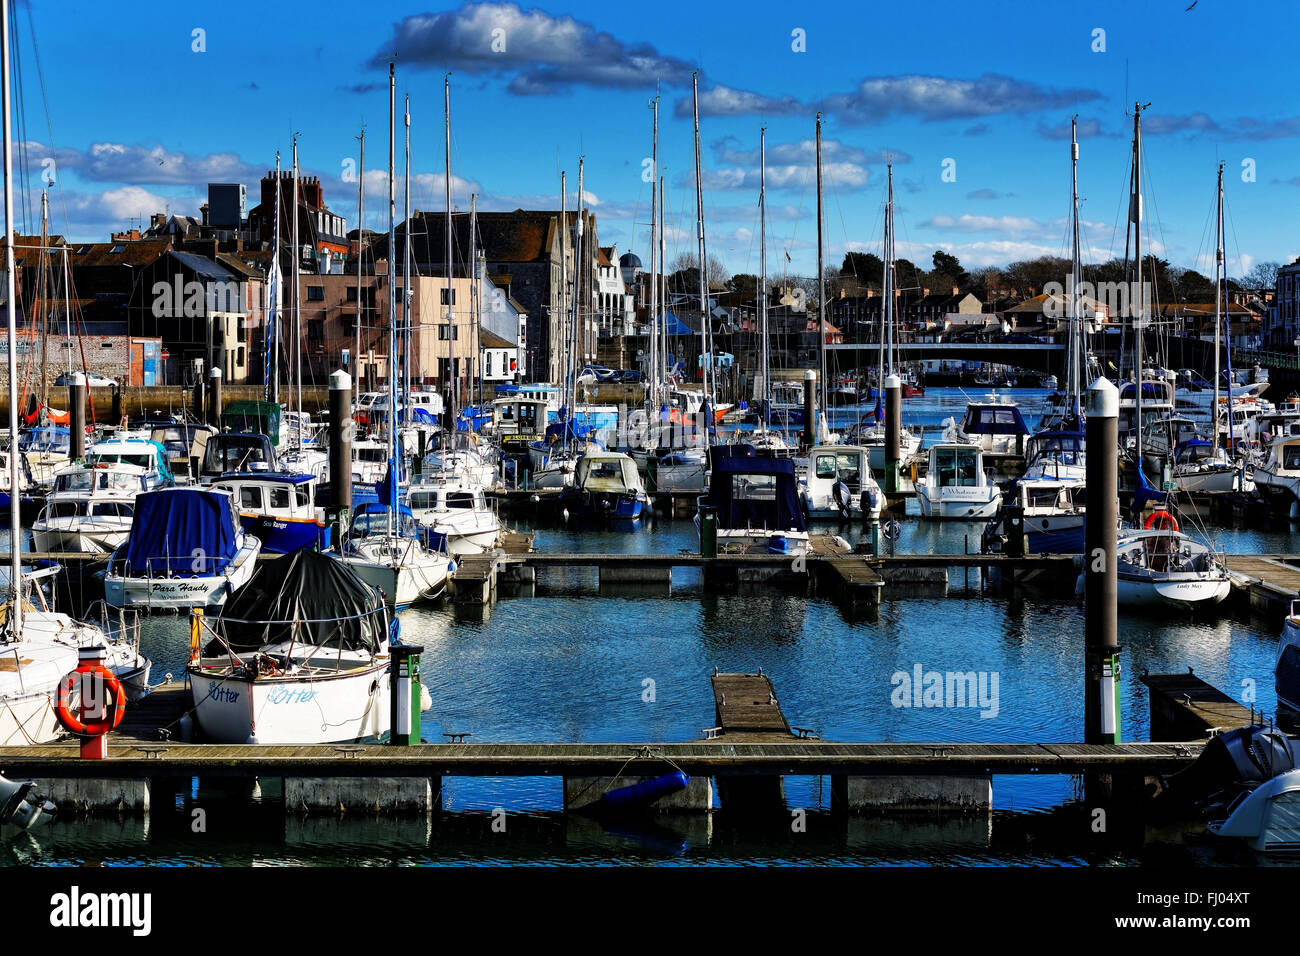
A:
<point x="139" y="121"/>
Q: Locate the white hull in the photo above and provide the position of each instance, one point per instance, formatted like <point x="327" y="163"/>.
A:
<point x="30" y="719"/>
<point x="692" y="477"/>
<point x="88" y="540"/>
<point x="1177" y="590"/>
<point x="346" y="708"/>
<point x="161" y="593"/>
<point x="416" y="576"/>
<point x="954" y="503"/>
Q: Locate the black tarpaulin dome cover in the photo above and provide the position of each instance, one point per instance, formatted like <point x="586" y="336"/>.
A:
<point x="309" y="598"/>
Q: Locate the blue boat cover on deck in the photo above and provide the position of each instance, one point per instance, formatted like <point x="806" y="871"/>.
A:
<point x="751" y="492"/>
<point x="182" y="532"/>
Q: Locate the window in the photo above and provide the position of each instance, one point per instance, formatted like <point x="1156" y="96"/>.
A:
<point x="825" y="466"/>
<point x="250" y="498"/>
<point x="315" y="293"/>
<point x="444" y="333"/>
<point x="280" y="497"/>
<point x="445" y="300"/>
<point x="117" y="249"/>
<point x="302" y="497"/>
<point x="239" y="357"/>
<point x="316" y="330"/>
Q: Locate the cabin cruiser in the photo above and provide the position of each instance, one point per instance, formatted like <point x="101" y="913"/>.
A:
<point x="838" y="484"/>
<point x="183" y="443"/>
<point x="237" y="453"/>
<point x="185" y="549"/>
<point x="145" y="454"/>
<point x="277" y="507"/>
<point x="955" y="484"/>
<point x="753" y="505"/>
<point x="605" y="485"/>
<point x="90" y="509"/>
<point x="453" y="515"/>
<point x="1199" y="466"/>
<point x="996" y="427"/>
<point x="1057" y="454"/>
<point x="1278" y="475"/>
<point x="1053" y="512"/>
<point x="299" y="656"/>
<point x="1157" y="401"/>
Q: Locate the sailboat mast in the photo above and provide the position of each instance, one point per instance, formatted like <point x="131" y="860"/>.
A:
<point x="705" y="338"/>
<point x="475" y="294"/>
<point x="297" y="311"/>
<point x="361" y="200"/>
<point x="887" y="283"/>
<point x="1218" y="311"/>
<point x="821" y="276"/>
<point x="274" y="295"/>
<point x="1074" y="387"/>
<point x="15" y="526"/>
<point x="652" y="394"/>
<point x="579" y="251"/>
<point x="406" y="270"/>
<point x="764" y="353"/>
<point x="1139" y="323"/>
<point x="662" y="281"/>
<point x="392" y="294"/>
<point x="451" y="310"/>
<point x="43" y="303"/>
<point x="562" y="364"/>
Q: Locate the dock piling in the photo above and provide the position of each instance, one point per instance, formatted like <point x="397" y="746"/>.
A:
<point x="77" y="416"/>
<point x="1102" y="701"/>
<point x="340" y="452"/>
<point x="893" y="427"/>
<point x="214" y="397"/>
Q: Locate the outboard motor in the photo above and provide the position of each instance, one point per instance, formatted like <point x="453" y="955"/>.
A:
<point x="16" y="807"/>
<point x="1232" y="763"/>
<point x="843" y="498"/>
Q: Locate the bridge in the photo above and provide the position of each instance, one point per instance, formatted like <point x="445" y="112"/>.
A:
<point x="1039" y="356"/>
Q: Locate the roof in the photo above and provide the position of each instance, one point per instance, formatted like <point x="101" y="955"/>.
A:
<point x="490" y="340"/>
<point x="524" y="235"/>
<point x="136" y="253"/>
<point x="203" y="266"/>
<point x="604" y="256"/>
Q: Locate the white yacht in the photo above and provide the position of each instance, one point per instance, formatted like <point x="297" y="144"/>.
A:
<point x="90" y="509"/>
<point x="384" y="549"/>
<point x="1161" y="565"/>
<point x="1278" y="475"/>
<point x="838" y="484"/>
<point x="453" y="515"/>
<point x="956" y="486"/>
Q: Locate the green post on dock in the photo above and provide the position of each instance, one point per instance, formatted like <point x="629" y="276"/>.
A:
<point x="708" y="529"/>
<point x="1102" y="710"/>
<point x="404" y="694"/>
<point x="893" y="427"/>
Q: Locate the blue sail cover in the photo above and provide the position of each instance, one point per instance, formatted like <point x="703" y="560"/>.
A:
<point x="181" y="532"/>
<point x="739" y="488"/>
<point x="1144" y="491"/>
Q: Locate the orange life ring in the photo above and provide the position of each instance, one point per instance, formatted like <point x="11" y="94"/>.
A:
<point x="1167" y="521"/>
<point x="114" y="704"/>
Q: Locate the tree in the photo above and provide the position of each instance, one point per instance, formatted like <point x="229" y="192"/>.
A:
<point x="907" y="275"/>
<point x="1263" y="275"/>
<point x="867" y="266"/>
<point x="743" y="282"/>
<point x="947" y="272"/>
<point x="685" y="274"/>
<point x="1194" y="287"/>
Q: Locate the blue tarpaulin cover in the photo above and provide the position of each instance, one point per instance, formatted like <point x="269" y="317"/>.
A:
<point x="182" y="532"/>
<point x="751" y="492"/>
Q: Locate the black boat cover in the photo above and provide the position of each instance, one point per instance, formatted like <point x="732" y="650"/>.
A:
<point x="308" y="597"/>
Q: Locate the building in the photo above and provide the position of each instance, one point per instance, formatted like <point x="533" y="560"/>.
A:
<point x="522" y="254"/>
<point x="1284" y="313"/>
<point x="615" y="301"/>
<point x="319" y="230"/>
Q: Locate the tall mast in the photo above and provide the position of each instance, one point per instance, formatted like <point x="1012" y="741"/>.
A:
<point x="652" y="394"/>
<point x="451" y="305"/>
<point x="43" y="301"/>
<point x="1139" y="319"/>
<point x="662" y="281"/>
<point x="561" y="362"/>
<point x="15" y="526"/>
<point x="705" y="338"/>
<point x="274" y="293"/>
<point x="579" y="251"/>
<point x="475" y="293"/>
<point x="392" y="299"/>
<point x="764" y="369"/>
<point x="406" y="271"/>
<point x="1074" y="372"/>
<point x="361" y="199"/>
<point x="887" y="287"/>
<point x="821" y="275"/>
<point x="297" y="311"/>
<point x="1218" y="314"/>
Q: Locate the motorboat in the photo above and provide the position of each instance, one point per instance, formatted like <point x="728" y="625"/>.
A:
<point x="237" y="453"/>
<point x="1159" y="564"/>
<point x="605" y="485"/>
<point x="277" y="507"/>
<point x="996" y="427"/>
<point x="956" y="485"/>
<point x="453" y="515"/>
<point x="838" y="484"/>
<point x="1278" y="475"/>
<point x="90" y="510"/>
<point x="1053" y="510"/>
<point x="186" y="549"/>
<point x="47" y="449"/>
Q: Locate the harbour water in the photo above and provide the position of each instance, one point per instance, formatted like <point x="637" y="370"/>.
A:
<point x="573" y="662"/>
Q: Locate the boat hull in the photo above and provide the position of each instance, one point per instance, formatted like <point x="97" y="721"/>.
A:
<point x="1178" y="592"/>
<point x="405" y="583"/>
<point x="180" y="593"/>
<point x="954" y="508"/>
<point x="344" y="708"/>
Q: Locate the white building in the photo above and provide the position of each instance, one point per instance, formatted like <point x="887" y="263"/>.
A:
<point x="615" y="301"/>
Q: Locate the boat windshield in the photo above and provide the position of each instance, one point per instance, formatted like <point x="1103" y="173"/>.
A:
<point x="956" y="467"/>
<point x="377" y="524"/>
<point x="1064" y="448"/>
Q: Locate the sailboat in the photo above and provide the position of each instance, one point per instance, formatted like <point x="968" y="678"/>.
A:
<point x="1157" y="563"/>
<point x="764" y="437"/>
<point x="382" y="544"/>
<point x="37" y="646"/>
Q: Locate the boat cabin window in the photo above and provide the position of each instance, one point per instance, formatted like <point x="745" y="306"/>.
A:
<point x="65" y="509"/>
<point x="424" y="500"/>
<point x="957" y="467"/>
<point x="753" y="487"/>
<point x="302" y="496"/>
<point x="1040" y="497"/>
<point x="606" y="469"/>
<point x="843" y="467"/>
<point x="113" y="509"/>
<point x="279" y="497"/>
<point x="250" y="497"/>
<point x="1291" y="459"/>
<point x="460" y="499"/>
<point x="372" y="455"/>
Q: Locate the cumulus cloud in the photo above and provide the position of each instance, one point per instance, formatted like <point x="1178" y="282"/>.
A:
<point x="729" y="149"/>
<point x="542" y="53"/>
<point x="152" y="165"/>
<point x="1088" y="128"/>
<point x="729" y="101"/>
<point x="942" y="98"/>
<point x="793" y="176"/>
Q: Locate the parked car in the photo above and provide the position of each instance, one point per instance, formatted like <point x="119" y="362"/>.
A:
<point x="629" y="375"/>
<point x="93" y="379"/>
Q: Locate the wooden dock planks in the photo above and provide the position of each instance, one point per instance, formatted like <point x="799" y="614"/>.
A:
<point x="745" y="706"/>
<point x="1184" y="707"/>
